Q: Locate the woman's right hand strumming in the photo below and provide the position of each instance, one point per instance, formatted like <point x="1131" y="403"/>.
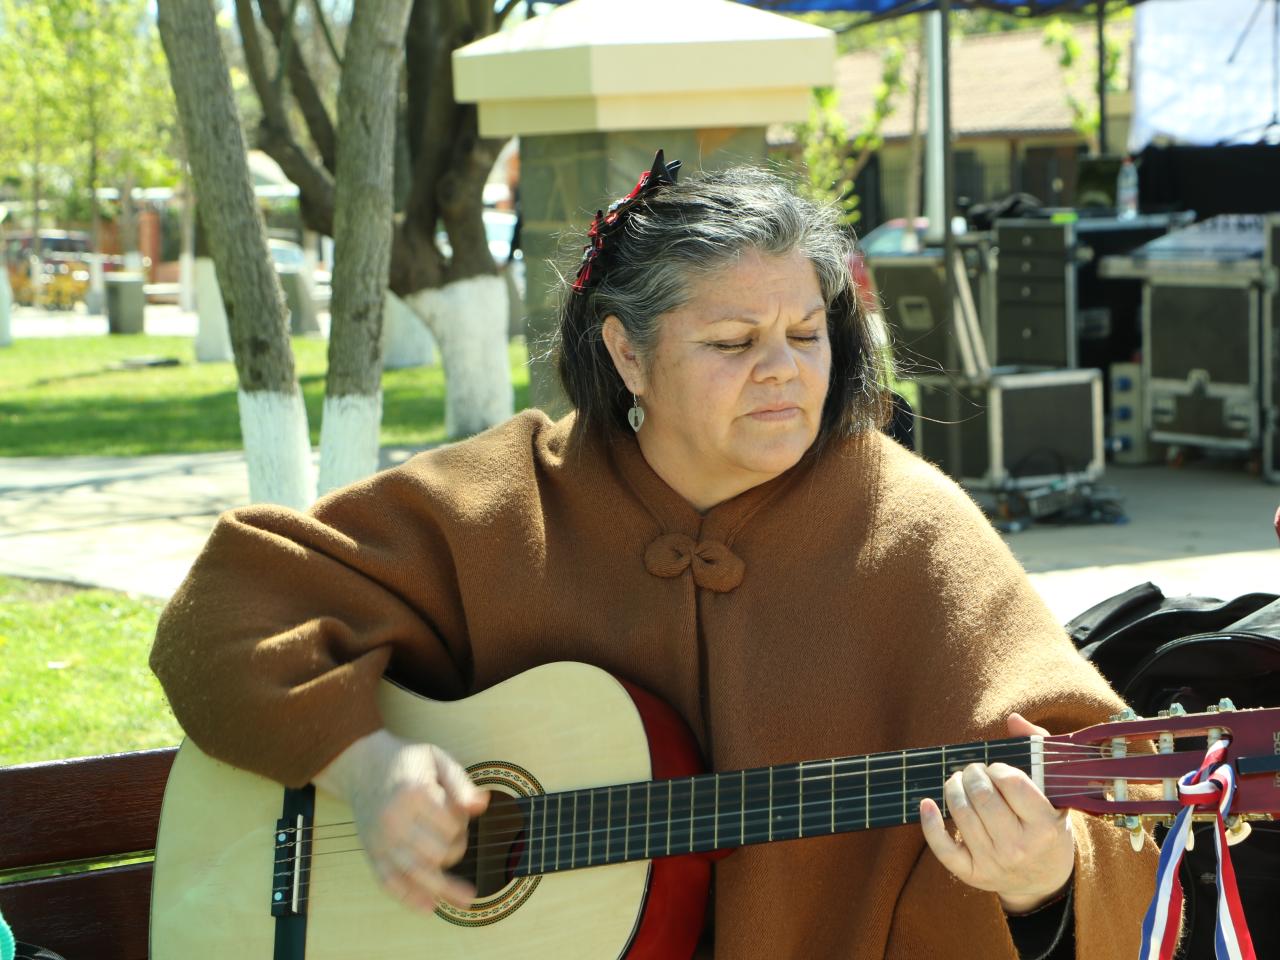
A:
<point x="412" y="803"/>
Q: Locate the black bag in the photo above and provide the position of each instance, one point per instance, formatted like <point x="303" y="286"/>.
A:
<point x="1157" y="650"/>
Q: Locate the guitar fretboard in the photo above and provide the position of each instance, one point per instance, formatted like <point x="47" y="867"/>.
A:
<point x="659" y="818"/>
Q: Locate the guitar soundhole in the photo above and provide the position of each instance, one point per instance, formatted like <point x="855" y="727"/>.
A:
<point x="495" y="845"/>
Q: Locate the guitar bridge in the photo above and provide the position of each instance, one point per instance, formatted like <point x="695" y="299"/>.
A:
<point x="291" y="867"/>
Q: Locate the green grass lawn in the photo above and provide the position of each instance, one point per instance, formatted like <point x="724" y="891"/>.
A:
<point x="69" y="396"/>
<point x="74" y="679"/>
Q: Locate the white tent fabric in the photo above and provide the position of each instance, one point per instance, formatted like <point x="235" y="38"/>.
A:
<point x="1185" y="91"/>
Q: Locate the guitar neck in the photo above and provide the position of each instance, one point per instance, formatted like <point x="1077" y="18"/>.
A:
<point x="716" y="811"/>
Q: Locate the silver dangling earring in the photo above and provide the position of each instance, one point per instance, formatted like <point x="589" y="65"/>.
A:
<point x="635" y="416"/>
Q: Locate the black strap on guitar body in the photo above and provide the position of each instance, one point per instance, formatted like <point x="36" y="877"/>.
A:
<point x="1157" y="650"/>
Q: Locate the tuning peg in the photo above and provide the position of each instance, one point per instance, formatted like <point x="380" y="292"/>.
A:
<point x="1137" y="836"/>
<point x="1177" y="710"/>
<point x="1125" y="714"/>
<point x="1225" y="704"/>
<point x="1238" y="829"/>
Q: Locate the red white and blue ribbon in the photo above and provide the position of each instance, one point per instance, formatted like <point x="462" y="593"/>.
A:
<point x="1213" y="785"/>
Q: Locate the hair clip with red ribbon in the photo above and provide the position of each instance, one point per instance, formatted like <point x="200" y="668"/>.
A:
<point x="607" y="222"/>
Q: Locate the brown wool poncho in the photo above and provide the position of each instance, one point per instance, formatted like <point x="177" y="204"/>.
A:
<point x="858" y="603"/>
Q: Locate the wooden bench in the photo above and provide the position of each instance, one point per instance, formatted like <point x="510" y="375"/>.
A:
<point x="72" y="817"/>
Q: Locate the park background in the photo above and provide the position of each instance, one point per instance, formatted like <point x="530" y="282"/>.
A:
<point x="127" y="396"/>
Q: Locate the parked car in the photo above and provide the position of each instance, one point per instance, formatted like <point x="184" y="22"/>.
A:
<point x="288" y="255"/>
<point x="499" y="229"/>
<point x="63" y="279"/>
<point x="892" y="238"/>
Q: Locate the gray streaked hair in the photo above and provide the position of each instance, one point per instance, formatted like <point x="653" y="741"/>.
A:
<point x="692" y="229"/>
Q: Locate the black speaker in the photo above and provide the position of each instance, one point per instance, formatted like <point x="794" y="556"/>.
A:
<point x="1202" y="360"/>
<point x="1271" y="353"/>
<point x="1015" y="429"/>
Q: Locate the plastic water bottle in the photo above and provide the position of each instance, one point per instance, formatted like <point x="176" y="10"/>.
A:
<point x="1127" y="190"/>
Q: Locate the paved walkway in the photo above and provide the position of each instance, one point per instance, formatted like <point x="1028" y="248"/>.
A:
<point x="137" y="523"/>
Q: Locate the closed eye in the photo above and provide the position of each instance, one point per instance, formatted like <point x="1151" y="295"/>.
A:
<point x="736" y="346"/>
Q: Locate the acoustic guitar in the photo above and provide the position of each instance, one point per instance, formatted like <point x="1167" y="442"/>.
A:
<point x="598" y="838"/>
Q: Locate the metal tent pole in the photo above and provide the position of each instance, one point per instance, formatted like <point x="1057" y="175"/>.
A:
<point x="1101" y="8"/>
<point x="954" y="445"/>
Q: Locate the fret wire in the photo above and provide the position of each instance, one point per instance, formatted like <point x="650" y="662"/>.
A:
<point x="648" y="795"/>
<point x="771" y="803"/>
<point x="670" y="786"/>
<point x="942" y="792"/>
<point x="742" y="809"/>
<point x="591" y="820"/>
<point x="866" y="784"/>
<point x="546" y="812"/>
<point x="573" y="841"/>
<point x="693" y="786"/>
<point x="833" y="795"/>
<point x="715" y="824"/>
<point x="626" y="837"/>
<point x="559" y="833"/>
<point x="608" y="821"/>
<point x="904" y="787"/>
<point x="800" y="798"/>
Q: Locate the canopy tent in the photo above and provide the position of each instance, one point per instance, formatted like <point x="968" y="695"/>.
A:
<point x="893" y="8"/>
<point x="1206" y="73"/>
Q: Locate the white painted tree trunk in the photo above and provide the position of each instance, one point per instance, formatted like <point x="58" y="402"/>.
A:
<point x="95" y="300"/>
<point x="277" y="447"/>
<point x="6" y="301"/>
<point x="349" y="439"/>
<point x="469" y="320"/>
<point x="406" y="341"/>
<point x="213" y="337"/>
<point x="186" y="282"/>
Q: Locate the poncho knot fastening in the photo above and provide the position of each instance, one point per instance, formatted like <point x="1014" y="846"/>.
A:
<point x="715" y="566"/>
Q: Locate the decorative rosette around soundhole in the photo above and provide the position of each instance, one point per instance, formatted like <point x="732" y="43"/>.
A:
<point x="496" y="842"/>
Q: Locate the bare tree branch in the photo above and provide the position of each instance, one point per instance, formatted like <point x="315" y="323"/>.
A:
<point x="501" y="16"/>
<point x="286" y="50"/>
<point x="319" y="123"/>
<point x="272" y="109"/>
<point x="327" y="31"/>
<point x="274" y="137"/>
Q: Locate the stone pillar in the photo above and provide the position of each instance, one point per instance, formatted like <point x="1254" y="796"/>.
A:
<point x="564" y="179"/>
<point x="592" y="103"/>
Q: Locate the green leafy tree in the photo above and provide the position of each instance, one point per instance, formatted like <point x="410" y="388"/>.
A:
<point x="87" y="101"/>
<point x="1077" y="63"/>
<point x="833" y="157"/>
<point x="35" y="136"/>
<point x="119" y="104"/>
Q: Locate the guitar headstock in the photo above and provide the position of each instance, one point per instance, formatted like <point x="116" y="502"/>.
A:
<point x="1109" y="769"/>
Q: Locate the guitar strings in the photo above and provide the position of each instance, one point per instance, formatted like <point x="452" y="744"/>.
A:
<point x="505" y="848"/>
<point x="843" y="767"/>
<point x="884" y="801"/>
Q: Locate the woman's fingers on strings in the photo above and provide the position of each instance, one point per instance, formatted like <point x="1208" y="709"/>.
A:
<point x="1020" y="726"/>
<point x="419" y="884"/>
<point x="970" y="798"/>
<point x="457" y="891"/>
<point x="951" y="853"/>
<point x="461" y="791"/>
<point x="997" y="822"/>
<point x="1022" y="795"/>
